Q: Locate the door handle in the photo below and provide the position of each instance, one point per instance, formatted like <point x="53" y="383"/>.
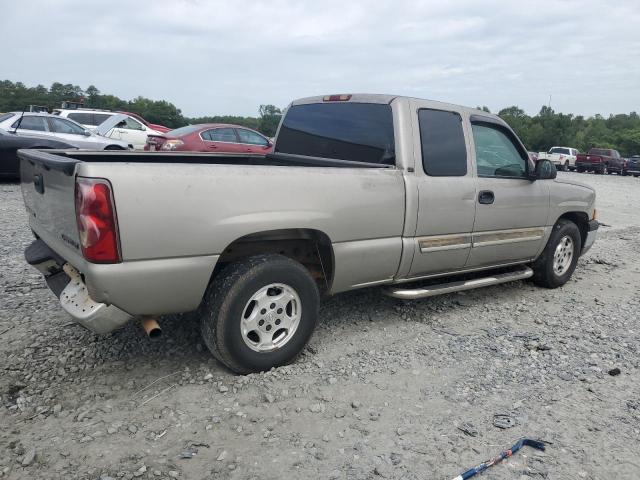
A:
<point x="486" y="197"/>
<point x="213" y="145"/>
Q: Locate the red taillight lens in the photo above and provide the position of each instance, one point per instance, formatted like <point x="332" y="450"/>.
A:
<point x="97" y="223"/>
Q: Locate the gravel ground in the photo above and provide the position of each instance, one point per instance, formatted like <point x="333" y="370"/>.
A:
<point x="386" y="389"/>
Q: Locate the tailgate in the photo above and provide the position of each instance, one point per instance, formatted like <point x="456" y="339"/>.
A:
<point x="47" y="181"/>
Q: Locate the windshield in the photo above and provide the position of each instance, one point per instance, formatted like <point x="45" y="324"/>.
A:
<point x="179" y="132"/>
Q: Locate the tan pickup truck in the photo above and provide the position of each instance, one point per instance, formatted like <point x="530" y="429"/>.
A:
<point x="416" y="197"/>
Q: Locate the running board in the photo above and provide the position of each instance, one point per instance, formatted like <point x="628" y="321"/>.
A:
<point x="442" y="288"/>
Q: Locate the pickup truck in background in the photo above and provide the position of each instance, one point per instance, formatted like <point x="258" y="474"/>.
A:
<point x="601" y="160"/>
<point x="414" y="196"/>
<point x="564" y="158"/>
<point x="633" y="166"/>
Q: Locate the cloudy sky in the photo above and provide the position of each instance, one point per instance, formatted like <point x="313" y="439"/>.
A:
<point x="228" y="57"/>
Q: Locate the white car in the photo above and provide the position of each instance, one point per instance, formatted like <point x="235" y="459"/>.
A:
<point x="564" y="158"/>
<point x="53" y="127"/>
<point x="128" y="130"/>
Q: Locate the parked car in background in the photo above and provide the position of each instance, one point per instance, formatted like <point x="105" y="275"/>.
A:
<point x="211" y="137"/>
<point x="633" y="166"/>
<point x="564" y="158"/>
<point x="601" y="160"/>
<point x="152" y="126"/>
<point x="131" y="129"/>
<point x="10" y="143"/>
<point x="46" y="125"/>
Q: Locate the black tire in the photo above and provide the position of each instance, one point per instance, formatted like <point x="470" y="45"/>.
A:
<point x="580" y="170"/>
<point x="228" y="295"/>
<point x="636" y="175"/>
<point x="543" y="271"/>
<point x="113" y="147"/>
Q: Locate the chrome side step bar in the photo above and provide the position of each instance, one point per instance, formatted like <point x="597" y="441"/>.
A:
<point x="442" y="288"/>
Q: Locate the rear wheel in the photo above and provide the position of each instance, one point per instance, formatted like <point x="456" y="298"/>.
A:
<point x="113" y="147"/>
<point x="259" y="313"/>
<point x="580" y="170"/>
<point x="555" y="266"/>
<point x="604" y="170"/>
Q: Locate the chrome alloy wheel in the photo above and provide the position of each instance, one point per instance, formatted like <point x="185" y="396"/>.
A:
<point x="563" y="256"/>
<point x="271" y="317"/>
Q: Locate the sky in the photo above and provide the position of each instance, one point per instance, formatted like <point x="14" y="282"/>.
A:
<point x="213" y="57"/>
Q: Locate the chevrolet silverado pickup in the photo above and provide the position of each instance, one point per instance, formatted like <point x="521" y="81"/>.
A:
<point x="414" y="196"/>
<point x="602" y="161"/>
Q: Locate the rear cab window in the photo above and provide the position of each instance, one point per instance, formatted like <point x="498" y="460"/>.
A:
<point x="357" y="132"/>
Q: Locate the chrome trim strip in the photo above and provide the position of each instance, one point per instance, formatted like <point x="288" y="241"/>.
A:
<point x="499" y="237"/>
<point x="437" y="243"/>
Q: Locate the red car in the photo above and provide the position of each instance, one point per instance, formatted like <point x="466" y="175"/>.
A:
<point x="210" y="137"/>
<point x="153" y="126"/>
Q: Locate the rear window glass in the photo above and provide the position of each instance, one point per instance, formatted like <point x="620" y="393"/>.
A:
<point x="82" y="118"/>
<point x="5" y="116"/>
<point x="360" y="132"/>
<point x="599" y="151"/>
<point x="99" y="118"/>
<point x="563" y="151"/>
<point x="444" y="153"/>
<point x="179" y="132"/>
<point x="31" y="123"/>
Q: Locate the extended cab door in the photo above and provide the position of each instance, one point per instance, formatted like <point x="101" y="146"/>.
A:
<point x="446" y="190"/>
<point x="511" y="210"/>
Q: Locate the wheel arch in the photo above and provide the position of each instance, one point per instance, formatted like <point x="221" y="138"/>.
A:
<point x="581" y="219"/>
<point x="312" y="248"/>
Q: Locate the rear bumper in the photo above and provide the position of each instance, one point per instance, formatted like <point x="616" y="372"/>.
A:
<point x="592" y="231"/>
<point x="68" y="285"/>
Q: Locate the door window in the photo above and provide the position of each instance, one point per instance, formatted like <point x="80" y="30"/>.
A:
<point x="99" y="118"/>
<point x="252" y="138"/>
<point x="30" y="122"/>
<point x="84" y="118"/>
<point x="130" y="124"/>
<point x="444" y="153"/>
<point x="496" y="154"/>
<point x="227" y="135"/>
<point x="58" y="125"/>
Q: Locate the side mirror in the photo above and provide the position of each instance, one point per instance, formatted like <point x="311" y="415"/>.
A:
<point x="86" y="133"/>
<point x="545" y="170"/>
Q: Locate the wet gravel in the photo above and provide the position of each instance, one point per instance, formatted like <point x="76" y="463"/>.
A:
<point x="386" y="389"/>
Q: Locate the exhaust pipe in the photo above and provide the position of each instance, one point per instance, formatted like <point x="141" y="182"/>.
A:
<point x="151" y="327"/>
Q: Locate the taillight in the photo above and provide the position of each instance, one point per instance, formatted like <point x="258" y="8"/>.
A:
<point x="96" y="218"/>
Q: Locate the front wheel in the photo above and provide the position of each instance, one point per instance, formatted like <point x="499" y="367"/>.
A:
<point x="259" y="313"/>
<point x="555" y="266"/>
<point x="580" y="170"/>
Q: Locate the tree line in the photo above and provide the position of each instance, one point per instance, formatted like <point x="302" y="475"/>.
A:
<point x="15" y="96"/>
<point x="539" y="132"/>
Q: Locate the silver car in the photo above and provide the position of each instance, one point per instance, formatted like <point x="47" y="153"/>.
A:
<point x="56" y="128"/>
